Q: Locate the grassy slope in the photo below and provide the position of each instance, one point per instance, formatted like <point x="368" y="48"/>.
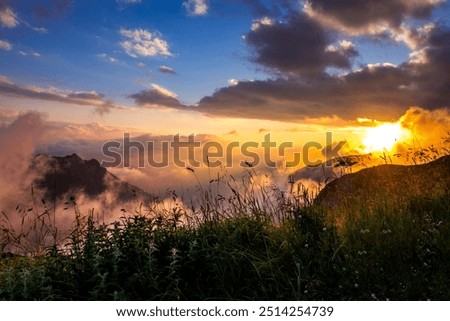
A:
<point x="390" y="251"/>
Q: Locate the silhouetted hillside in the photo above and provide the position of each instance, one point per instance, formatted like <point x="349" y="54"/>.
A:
<point x="388" y="182"/>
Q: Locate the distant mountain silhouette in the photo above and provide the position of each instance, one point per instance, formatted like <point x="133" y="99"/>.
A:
<point x="69" y="175"/>
<point x="388" y="182"/>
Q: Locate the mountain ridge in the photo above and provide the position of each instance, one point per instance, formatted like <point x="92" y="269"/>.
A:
<point x="66" y="176"/>
<point x="389" y="181"/>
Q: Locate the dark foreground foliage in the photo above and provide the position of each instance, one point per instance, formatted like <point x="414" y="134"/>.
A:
<point x="390" y="252"/>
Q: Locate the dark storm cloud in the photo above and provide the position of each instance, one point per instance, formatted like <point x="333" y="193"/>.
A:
<point x="358" y="15"/>
<point x="301" y="49"/>
<point x="366" y="93"/>
<point x="298" y="47"/>
<point x="155" y="97"/>
<point x="433" y="76"/>
<point x="381" y="91"/>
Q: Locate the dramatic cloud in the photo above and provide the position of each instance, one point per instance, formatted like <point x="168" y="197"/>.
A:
<point x="368" y="16"/>
<point x="18" y="143"/>
<point x="143" y="43"/>
<point x="7" y="87"/>
<point x="156" y="96"/>
<point x="167" y="70"/>
<point x="414" y="38"/>
<point x="8" y="18"/>
<point x="374" y="91"/>
<point x="5" y="45"/>
<point x="299" y="47"/>
<point x="429" y="127"/>
<point x="196" y="7"/>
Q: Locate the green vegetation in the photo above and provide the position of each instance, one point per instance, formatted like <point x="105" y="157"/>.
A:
<point x="258" y="243"/>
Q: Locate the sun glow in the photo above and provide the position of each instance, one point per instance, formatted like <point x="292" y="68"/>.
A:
<point x="384" y="137"/>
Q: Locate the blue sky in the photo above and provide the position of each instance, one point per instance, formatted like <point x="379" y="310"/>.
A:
<point x="81" y="49"/>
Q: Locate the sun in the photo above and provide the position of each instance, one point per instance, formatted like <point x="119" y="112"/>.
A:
<point x="384" y="137"/>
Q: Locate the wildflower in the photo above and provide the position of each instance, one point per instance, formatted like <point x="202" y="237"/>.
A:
<point x="356" y="285"/>
<point x="174" y="251"/>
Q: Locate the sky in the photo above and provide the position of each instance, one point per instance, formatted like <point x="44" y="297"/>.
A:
<point x="80" y="73"/>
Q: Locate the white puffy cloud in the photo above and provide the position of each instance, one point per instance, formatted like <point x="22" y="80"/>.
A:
<point x="266" y="21"/>
<point x="141" y="42"/>
<point x="196" y="7"/>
